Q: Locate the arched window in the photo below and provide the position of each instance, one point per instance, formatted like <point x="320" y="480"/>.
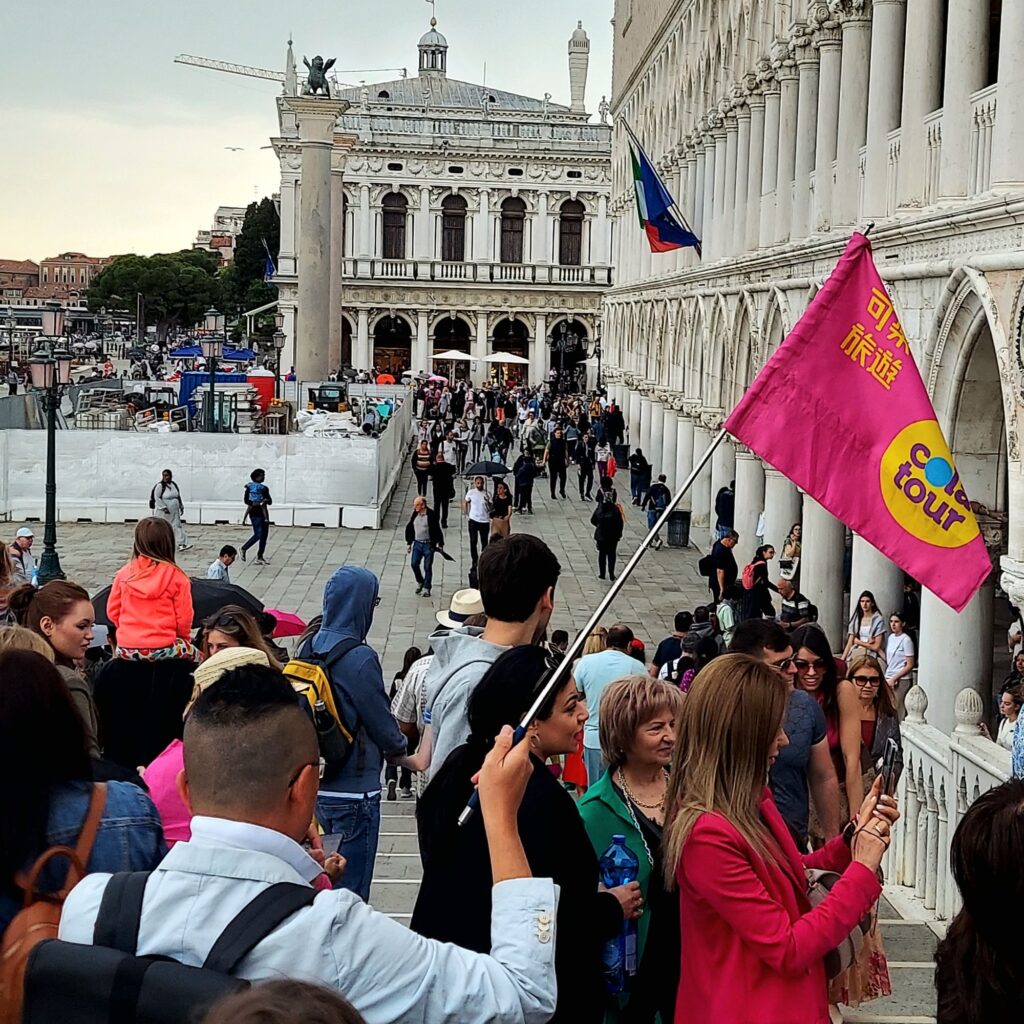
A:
<point x="453" y="229"/>
<point x="570" y="233"/>
<point x="513" y="218"/>
<point x="395" y="208"/>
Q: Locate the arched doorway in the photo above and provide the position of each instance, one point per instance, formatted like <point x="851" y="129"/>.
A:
<point x="452" y="334"/>
<point x="568" y="342"/>
<point x="392" y="345"/>
<point x="513" y="337"/>
<point x="346" y="341"/>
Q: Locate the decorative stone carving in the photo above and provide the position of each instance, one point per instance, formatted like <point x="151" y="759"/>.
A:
<point x="1012" y="580"/>
<point x="969" y="710"/>
<point x="916" y="703"/>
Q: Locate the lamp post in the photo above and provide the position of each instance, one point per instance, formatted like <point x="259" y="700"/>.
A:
<point x="598" y="353"/>
<point x="279" y="340"/>
<point x="51" y="371"/>
<point x="213" y="348"/>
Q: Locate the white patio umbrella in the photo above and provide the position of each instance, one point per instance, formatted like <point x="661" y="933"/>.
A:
<point x="453" y="355"/>
<point x="507" y="357"/>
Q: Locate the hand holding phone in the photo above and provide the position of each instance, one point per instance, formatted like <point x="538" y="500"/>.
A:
<point x="889" y="767"/>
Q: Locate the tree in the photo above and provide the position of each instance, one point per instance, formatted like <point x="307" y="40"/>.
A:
<point x="243" y="281"/>
<point x="177" y="287"/>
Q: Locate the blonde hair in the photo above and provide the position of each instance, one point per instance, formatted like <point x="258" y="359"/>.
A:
<point x="18" y="638"/>
<point x="626" y="705"/>
<point x="730" y="718"/>
<point x="596" y="642"/>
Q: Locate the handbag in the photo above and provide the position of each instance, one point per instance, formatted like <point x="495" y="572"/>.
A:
<point x="843" y="956"/>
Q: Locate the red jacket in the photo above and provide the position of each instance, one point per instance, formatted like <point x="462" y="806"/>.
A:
<point x="150" y="604"/>
<point x="753" y="949"/>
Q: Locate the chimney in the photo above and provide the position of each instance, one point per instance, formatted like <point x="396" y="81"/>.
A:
<point x="579" y="61"/>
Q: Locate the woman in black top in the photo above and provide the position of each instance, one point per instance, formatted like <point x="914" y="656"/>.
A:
<point x="456" y="870"/>
<point x="607" y="523"/>
<point x="757" y="602"/>
<point x="421" y="462"/>
<point x="501" y="510"/>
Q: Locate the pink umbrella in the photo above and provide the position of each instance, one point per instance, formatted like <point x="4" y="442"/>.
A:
<point x="288" y="623"/>
<point x="436" y="377"/>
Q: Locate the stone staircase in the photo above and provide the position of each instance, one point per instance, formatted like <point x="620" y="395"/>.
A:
<point x="397" y="871"/>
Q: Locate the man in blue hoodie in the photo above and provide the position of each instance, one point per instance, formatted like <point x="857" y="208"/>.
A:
<point x="349" y="800"/>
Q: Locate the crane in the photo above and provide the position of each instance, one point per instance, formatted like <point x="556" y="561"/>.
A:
<point x="250" y="72"/>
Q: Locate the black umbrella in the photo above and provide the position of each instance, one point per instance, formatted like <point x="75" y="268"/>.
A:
<point x="487" y="469"/>
<point x="208" y="597"/>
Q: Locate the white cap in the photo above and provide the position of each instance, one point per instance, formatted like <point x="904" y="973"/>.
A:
<point x="24" y="532"/>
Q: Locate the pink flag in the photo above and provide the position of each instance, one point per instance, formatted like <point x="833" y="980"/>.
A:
<point x="841" y="410"/>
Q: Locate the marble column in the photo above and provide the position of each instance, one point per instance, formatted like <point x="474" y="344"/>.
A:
<point x="701" y="502"/>
<point x="656" y="454"/>
<point x="482" y="229"/>
<point x="317" y="117"/>
<point x="743" y="121"/>
<point x="539" y="350"/>
<point x="822" y="547"/>
<point x="967" y="32"/>
<point x="365" y="222"/>
<point x="362" y="356"/>
<point x="789" y="80"/>
<point x="755" y="170"/>
<point x="853" y="114"/>
<point x="729" y="214"/>
<point x="888" y="32"/>
<point x="749" y="501"/>
<point x="286" y="252"/>
<point x="708" y="224"/>
<point x="770" y="162"/>
<point x="807" y="63"/>
<point x="873" y="571"/>
<point x="422" y="357"/>
<point x="421" y="241"/>
<point x="669" y="446"/>
<point x="922" y="92"/>
<point x="829" y="42"/>
<point x="634" y="418"/>
<point x="699" y="187"/>
<point x="337" y="234"/>
<point x="782" y="507"/>
<point x="1008" y="142"/>
<point x="542" y="245"/>
<point x="480" y="352"/>
<point x="684" y="456"/>
<point x="646" y="412"/>
<point x="956" y="653"/>
<point x="723" y="472"/>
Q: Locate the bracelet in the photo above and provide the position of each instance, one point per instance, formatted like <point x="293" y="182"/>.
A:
<point x="849" y="831"/>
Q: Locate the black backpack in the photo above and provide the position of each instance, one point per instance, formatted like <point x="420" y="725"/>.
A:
<point x="106" y="983"/>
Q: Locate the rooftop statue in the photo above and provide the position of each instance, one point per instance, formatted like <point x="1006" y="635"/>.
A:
<point x="317" y="82"/>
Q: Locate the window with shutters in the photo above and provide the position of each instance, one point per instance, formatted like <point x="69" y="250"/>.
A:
<point x="570" y="233"/>
<point x="513" y="220"/>
<point x="395" y="211"/>
<point x="453" y="229"/>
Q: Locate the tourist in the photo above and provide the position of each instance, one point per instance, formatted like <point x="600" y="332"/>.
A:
<point x="166" y="503"/>
<point x="62" y="614"/>
<point x="899" y="660"/>
<point x="583" y="457"/>
<point x="477" y="508"/>
<point x="614" y="424"/>
<point x="593" y="672"/>
<point x="671" y="647"/>
<point x="218" y="569"/>
<point x="1016" y="674"/>
<point x="22" y="562"/>
<point x="267" y="624"/>
<point x="45" y="758"/>
<point x="423" y="537"/>
<point x="1009" y="707"/>
<point x="525" y="471"/>
<point x="757" y="601"/>
<point x="501" y="511"/>
<point x="462" y="437"/>
<point x="400" y="780"/>
<point x="725" y="509"/>
<point x="656" y="501"/>
<point x="794" y="609"/>
<point x="516" y="614"/>
<point x="866" y="630"/>
<point x="753" y="949"/>
<point x="555" y="459"/>
<point x="349" y="802"/>
<point x="803" y="771"/>
<point x="606" y="492"/>
<point x="449" y="449"/>
<point x="608" y="520"/>
<point x="554" y="839"/>
<point x="725" y="612"/>
<point x="602" y="456"/>
<point x="284" y="1002"/>
<point x="791" y="545"/>
<point x="7" y="584"/>
<point x="232" y="627"/>
<point x="637" y="741"/>
<point x="442" y="475"/>
<point x="978" y="973"/>
<point x="18" y="638"/>
<point x="252" y="810"/>
<point x="639" y="475"/>
<point x="256" y="496"/>
<point x="722" y="568"/>
<point x="498" y="440"/>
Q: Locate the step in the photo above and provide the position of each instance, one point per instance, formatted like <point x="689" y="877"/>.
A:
<point x="394" y="896"/>
<point x="397" y="865"/>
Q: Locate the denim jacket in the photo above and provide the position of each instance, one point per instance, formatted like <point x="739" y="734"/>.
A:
<point x="130" y="836"/>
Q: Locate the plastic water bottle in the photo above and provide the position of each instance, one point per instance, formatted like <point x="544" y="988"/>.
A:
<point x="619" y="866"/>
<point x="35" y="576"/>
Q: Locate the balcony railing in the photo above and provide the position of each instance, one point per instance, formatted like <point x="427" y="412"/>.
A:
<point x="892" y="182"/>
<point x="356" y="269"/>
<point x="932" y="156"/>
<point x="983" y="120"/>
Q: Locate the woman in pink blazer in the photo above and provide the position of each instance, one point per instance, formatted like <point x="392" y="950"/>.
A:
<point x="753" y="950"/>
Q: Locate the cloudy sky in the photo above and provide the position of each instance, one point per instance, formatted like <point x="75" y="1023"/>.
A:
<point x="108" y="146"/>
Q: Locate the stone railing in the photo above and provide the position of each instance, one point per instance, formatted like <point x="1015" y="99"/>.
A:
<point x="892" y="181"/>
<point x="983" y="120"/>
<point x="932" y="155"/>
<point x="361" y="269"/>
<point x="942" y="776"/>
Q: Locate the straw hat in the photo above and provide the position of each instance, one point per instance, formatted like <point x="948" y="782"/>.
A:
<point x="463" y="604"/>
<point x="214" y="667"/>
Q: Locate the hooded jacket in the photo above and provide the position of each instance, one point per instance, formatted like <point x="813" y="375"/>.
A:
<point x="150" y="604"/>
<point x="357" y="681"/>
<point x="461" y="657"/>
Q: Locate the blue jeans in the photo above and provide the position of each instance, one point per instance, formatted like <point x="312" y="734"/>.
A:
<point x="594" y="764"/>
<point x="423" y="552"/>
<point x="638" y="483"/>
<point x="260" y="531"/>
<point x="352" y="828"/>
<point x="652" y="517"/>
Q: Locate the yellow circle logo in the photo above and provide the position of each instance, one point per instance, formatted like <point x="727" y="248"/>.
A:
<point x="922" y="490"/>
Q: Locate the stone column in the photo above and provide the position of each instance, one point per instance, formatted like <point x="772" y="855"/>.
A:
<point x="701" y="501"/>
<point x="770" y="162"/>
<point x="782" y="507"/>
<point x="956" y="653"/>
<point x="599" y="246"/>
<point x="362" y="357"/>
<point x="542" y="249"/>
<point x="922" y="91"/>
<point x="365" y="222"/>
<point x="422" y="249"/>
<point x="888" y="31"/>
<point x="482" y="230"/>
<point x="718" y="246"/>
<point x="699" y="186"/>
<point x="755" y="169"/>
<point x="708" y="220"/>
<point x="749" y="500"/>
<point x="656" y="454"/>
<point x="422" y="357"/>
<point x="873" y="571"/>
<point x="684" y="456"/>
<point x="539" y="351"/>
<point x="966" y="70"/>
<point x="806" y="139"/>
<point x="669" y="447"/>
<point x="822" y="547"/>
<point x="723" y="472"/>
<point x="480" y="352"/>
<point x="1008" y="142"/>
<point x="317" y="117"/>
<point x="337" y="256"/>
<point x="729" y="213"/>
<point x="853" y="113"/>
<point x="788" y="76"/>
<point x="635" y="399"/>
<point x="743" y="121"/>
<point x="829" y="42"/>
<point x="646" y="412"/>
<point x="286" y="253"/>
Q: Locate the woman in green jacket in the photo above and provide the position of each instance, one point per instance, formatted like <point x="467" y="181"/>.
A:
<point x="637" y="730"/>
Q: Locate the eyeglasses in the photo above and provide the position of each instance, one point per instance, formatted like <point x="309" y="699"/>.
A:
<point x="867" y="680"/>
<point x="782" y="666"/>
<point x="802" y="664"/>
<point x="319" y="764"/>
<point x="376" y="601"/>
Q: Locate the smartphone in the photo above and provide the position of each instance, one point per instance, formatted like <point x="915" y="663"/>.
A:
<point x="889" y="767"/>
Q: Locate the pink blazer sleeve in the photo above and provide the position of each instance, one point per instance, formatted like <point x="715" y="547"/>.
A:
<point x="718" y="864"/>
<point x="833" y="856"/>
<point x="183" y="607"/>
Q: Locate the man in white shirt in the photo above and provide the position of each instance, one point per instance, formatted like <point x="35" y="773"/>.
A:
<point x="22" y="561"/>
<point x="219" y="567"/>
<point x="250" y="780"/>
<point x="478" y="512"/>
<point x="593" y="673"/>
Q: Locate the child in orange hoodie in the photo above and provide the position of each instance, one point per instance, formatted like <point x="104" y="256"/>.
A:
<point x="150" y="602"/>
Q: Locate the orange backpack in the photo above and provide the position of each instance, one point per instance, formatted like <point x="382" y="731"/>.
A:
<point x="39" y="919"/>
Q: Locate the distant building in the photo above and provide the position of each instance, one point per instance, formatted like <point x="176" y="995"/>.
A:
<point x="70" y="271"/>
<point x="15" y="277"/>
<point x="220" y="237"/>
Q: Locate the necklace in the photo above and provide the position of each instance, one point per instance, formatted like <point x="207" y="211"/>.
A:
<point x="639" y="803"/>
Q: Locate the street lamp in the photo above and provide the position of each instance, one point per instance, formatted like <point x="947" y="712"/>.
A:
<point x="53" y="320"/>
<point x="279" y="340"/>
<point x="213" y="348"/>
<point x="598" y="352"/>
<point x="51" y="371"/>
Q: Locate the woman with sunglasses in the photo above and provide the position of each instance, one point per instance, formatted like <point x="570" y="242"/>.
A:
<point x="234" y="627"/>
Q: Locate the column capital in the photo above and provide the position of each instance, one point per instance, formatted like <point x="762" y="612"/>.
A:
<point x="712" y="418"/>
<point x="743" y="452"/>
<point x="852" y="13"/>
<point x="802" y="42"/>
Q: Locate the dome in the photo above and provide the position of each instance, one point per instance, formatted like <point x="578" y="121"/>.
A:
<point x="580" y="36"/>
<point x="433" y="49"/>
<point x="433" y="38"/>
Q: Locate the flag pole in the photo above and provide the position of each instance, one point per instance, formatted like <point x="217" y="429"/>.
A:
<point x="564" y="667"/>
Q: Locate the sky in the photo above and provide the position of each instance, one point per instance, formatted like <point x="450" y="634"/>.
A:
<point x="109" y="147"/>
